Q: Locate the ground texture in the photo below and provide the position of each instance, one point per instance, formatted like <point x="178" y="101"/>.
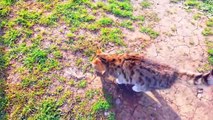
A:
<point x="47" y="48"/>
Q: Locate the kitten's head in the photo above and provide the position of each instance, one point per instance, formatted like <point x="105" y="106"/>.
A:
<point x="106" y="62"/>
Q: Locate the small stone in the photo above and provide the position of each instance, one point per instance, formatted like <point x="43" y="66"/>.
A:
<point x="106" y="113"/>
<point x="117" y="101"/>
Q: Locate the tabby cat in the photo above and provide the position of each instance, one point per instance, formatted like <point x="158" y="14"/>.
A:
<point x="143" y="73"/>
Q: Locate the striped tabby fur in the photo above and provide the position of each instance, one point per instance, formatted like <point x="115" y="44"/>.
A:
<point x="143" y="73"/>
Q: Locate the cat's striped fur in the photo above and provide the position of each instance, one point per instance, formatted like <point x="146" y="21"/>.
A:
<point x="143" y="73"/>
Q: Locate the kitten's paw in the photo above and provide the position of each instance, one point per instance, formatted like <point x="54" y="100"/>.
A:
<point x="199" y="93"/>
<point x="117" y="81"/>
<point x="137" y="89"/>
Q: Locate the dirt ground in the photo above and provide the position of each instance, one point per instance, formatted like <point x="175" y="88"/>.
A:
<point x="180" y="44"/>
<point x="72" y="83"/>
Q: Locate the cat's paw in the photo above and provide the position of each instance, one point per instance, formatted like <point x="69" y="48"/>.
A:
<point x="117" y="81"/>
<point x="199" y="93"/>
<point x="137" y="88"/>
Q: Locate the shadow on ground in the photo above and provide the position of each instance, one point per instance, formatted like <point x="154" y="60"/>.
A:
<point x="129" y="105"/>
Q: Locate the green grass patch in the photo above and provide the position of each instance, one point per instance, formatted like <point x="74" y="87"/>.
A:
<point x="4" y="10"/>
<point x="10" y="37"/>
<point x="145" y="4"/>
<point x="111" y="116"/>
<point x="7" y="2"/>
<point x="38" y="59"/>
<point x="87" y="47"/>
<point x="197" y="16"/>
<point x="150" y="32"/>
<point x="127" y="24"/>
<point x="207" y="31"/>
<point x="209" y="23"/>
<point x="209" y="45"/>
<point x="120" y="8"/>
<point x="192" y="2"/>
<point x="3" y="98"/>
<point x="57" y="54"/>
<point x="113" y="35"/>
<point x="48" y="110"/>
<point x="175" y="1"/>
<point x="27" y="18"/>
<point x="105" y="21"/>
<point x="101" y="105"/>
<point x="206" y="5"/>
<point x="79" y="61"/>
<point x="210" y="58"/>
<point x="48" y="19"/>
<point x="75" y="13"/>
<point x="91" y="93"/>
<point x="93" y="27"/>
<point x="82" y="84"/>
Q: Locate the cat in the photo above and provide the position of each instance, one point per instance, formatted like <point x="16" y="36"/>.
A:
<point x="144" y="74"/>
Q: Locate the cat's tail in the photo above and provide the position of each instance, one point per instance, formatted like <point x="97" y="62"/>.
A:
<point x="198" y="78"/>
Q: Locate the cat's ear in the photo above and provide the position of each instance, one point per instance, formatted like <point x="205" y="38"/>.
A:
<point x="98" y="52"/>
<point x="99" y="66"/>
<point x="102" y="58"/>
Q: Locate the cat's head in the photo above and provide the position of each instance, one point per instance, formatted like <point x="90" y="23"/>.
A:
<point x="106" y="62"/>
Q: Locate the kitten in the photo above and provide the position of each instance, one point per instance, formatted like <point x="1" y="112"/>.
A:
<point x="143" y="73"/>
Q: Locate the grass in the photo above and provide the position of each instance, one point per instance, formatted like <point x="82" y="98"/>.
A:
<point x="209" y="45"/>
<point x="207" y="31"/>
<point x="75" y="13"/>
<point x="82" y="84"/>
<point x="153" y="34"/>
<point x="38" y="59"/>
<point x="145" y="4"/>
<point x="127" y="24"/>
<point x="105" y="21"/>
<point x="3" y="98"/>
<point x="191" y="2"/>
<point x="113" y="35"/>
<point x="101" y="105"/>
<point x="93" y="27"/>
<point x="91" y="93"/>
<point x="206" y="6"/>
<point x="197" y="16"/>
<point x="10" y="37"/>
<point x="111" y="116"/>
<point x="210" y="58"/>
<point x="120" y="8"/>
<point x="48" y="110"/>
<point x="27" y="18"/>
<point x="209" y="23"/>
<point x="37" y="53"/>
<point x="175" y="1"/>
<point x="48" y="19"/>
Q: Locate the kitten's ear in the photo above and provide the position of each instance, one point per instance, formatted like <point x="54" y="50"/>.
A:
<point x="99" y="66"/>
<point x="98" y="52"/>
<point x="103" y="60"/>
